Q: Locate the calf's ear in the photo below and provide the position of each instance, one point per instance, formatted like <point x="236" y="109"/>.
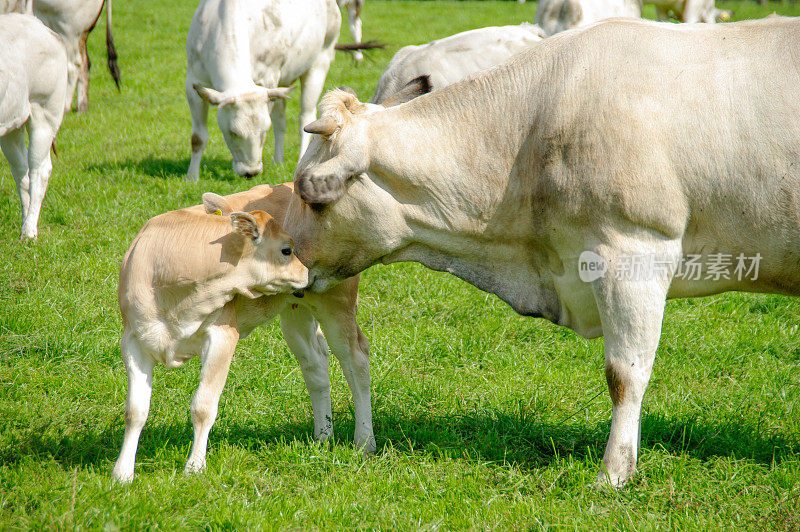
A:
<point x="216" y="204"/>
<point x="245" y="224"/>
<point x="412" y="89"/>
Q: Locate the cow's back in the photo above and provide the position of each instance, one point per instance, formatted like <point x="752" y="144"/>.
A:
<point x="692" y="132"/>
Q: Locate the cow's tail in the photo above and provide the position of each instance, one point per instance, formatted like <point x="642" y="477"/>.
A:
<point x="111" y="51"/>
<point x="352" y="47"/>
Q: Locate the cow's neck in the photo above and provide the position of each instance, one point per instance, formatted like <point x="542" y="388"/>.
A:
<point x="449" y="160"/>
<point x="234" y="70"/>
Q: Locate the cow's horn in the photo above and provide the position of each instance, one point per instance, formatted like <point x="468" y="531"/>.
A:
<point x="323" y="126"/>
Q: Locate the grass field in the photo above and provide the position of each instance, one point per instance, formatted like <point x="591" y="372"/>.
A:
<point x="483" y="419"/>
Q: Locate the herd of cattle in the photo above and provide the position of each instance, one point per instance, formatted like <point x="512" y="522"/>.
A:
<point x="499" y="155"/>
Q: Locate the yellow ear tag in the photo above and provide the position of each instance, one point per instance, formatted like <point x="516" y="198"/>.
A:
<point x="217" y="213"/>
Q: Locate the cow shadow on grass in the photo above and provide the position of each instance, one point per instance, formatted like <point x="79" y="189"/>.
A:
<point x="495" y="436"/>
<point x="166" y="168"/>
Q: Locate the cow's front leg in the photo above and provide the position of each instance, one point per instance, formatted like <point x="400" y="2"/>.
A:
<point x="337" y="316"/>
<point x="199" y="111"/>
<point x="13" y="146"/>
<point x="631" y="311"/>
<point x="278" y="116"/>
<point x="304" y="338"/>
<point x="312" y="83"/>
<point x="216" y="355"/>
<point x="139" y="366"/>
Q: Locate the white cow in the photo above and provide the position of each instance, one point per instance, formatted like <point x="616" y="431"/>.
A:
<point x="688" y="10"/>
<point x="190" y="286"/>
<point x="555" y="16"/>
<point x="572" y="180"/>
<point x="452" y="58"/>
<point x="72" y="20"/>
<point x="240" y="52"/>
<point x="33" y="82"/>
<point x="354" y="8"/>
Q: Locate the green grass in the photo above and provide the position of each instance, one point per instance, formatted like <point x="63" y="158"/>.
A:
<point x="483" y="419"/>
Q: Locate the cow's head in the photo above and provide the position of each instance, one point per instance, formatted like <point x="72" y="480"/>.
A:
<point x="243" y="118"/>
<point x="275" y="267"/>
<point x="340" y="234"/>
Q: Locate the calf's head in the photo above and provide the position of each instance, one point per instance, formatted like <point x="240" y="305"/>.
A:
<point x="341" y="218"/>
<point x="243" y="118"/>
<point x="274" y="267"/>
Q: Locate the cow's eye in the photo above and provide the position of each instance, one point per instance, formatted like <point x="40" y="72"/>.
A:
<point x="286" y="251"/>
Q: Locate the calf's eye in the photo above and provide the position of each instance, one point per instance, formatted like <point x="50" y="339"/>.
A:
<point x="286" y="251"/>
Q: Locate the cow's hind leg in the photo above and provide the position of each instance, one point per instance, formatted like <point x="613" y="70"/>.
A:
<point x="631" y="311"/>
<point x="83" y="74"/>
<point x="199" y="111"/>
<point x="40" y="140"/>
<point x="304" y="337"/>
<point x="216" y="355"/>
<point x="139" y="366"/>
<point x="13" y="146"/>
<point x="354" y="21"/>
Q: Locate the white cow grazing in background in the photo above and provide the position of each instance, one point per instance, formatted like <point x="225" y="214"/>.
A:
<point x="190" y="286"/>
<point x="577" y="182"/>
<point x="72" y="20"/>
<point x="354" y="8"/>
<point x="33" y="84"/>
<point x="239" y="53"/>
<point x="445" y="61"/>
<point x="555" y="16"/>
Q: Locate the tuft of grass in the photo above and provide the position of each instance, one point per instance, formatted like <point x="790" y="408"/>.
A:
<point x="484" y="419"/>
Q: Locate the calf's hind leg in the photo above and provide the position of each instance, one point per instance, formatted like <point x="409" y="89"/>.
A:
<point x="139" y="366"/>
<point x="216" y="355"/>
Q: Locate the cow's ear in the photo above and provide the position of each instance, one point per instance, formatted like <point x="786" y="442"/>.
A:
<point x="245" y="224"/>
<point x="280" y="92"/>
<point x="209" y="95"/>
<point x="326" y="183"/>
<point x="216" y="204"/>
<point x="324" y="126"/>
<point x="416" y="87"/>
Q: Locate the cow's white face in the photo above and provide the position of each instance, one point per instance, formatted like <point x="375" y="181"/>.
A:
<point x="342" y="221"/>
<point x="243" y="118"/>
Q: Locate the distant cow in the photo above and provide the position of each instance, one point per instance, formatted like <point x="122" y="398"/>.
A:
<point x="72" y="20"/>
<point x="33" y="84"/>
<point x="689" y="10"/>
<point x="586" y="180"/>
<point x="452" y="58"/>
<point x="354" y="8"/>
<point x="555" y="16"/>
<point x="197" y="280"/>
<point x="239" y="54"/>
